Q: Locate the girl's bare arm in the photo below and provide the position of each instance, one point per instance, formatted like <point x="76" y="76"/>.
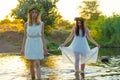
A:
<point x="90" y="38"/>
<point x="24" y="39"/>
<point x="69" y="37"/>
<point x="43" y="40"/>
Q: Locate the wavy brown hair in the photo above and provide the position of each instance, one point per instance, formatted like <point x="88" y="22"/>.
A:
<point x="79" y="27"/>
<point x="30" y="17"/>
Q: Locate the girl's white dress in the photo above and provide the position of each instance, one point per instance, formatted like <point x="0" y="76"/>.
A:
<point x="33" y="45"/>
<point x="80" y="45"/>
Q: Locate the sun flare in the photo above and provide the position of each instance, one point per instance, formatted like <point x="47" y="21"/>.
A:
<point x="6" y="6"/>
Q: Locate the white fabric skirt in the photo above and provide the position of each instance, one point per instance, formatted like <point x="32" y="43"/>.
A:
<point x="34" y="48"/>
<point x="88" y="57"/>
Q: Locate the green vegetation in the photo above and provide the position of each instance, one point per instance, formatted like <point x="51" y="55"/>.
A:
<point x="48" y="10"/>
<point x="89" y="10"/>
<point x="111" y="30"/>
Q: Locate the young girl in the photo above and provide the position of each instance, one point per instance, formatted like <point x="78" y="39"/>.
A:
<point x="79" y="46"/>
<point x="34" y="47"/>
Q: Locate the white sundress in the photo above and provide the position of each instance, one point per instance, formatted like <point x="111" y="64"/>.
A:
<point x="79" y="45"/>
<point x="33" y="45"/>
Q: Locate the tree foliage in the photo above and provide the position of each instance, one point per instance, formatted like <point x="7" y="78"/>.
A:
<point x="49" y="11"/>
<point x="89" y="10"/>
<point x="111" y="30"/>
<point x="103" y="29"/>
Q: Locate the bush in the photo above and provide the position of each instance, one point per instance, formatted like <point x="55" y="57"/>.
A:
<point x="53" y="48"/>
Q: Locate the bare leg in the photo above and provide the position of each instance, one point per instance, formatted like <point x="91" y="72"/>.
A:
<point x="83" y="57"/>
<point x="32" y="69"/>
<point x="38" y="71"/>
<point x="82" y="67"/>
<point x="82" y="70"/>
<point x="76" y="62"/>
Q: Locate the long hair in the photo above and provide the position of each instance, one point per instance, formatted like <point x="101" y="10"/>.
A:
<point x="30" y="17"/>
<point x="80" y="27"/>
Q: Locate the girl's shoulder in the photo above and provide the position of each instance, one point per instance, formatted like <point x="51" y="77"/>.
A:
<point x="41" y="23"/>
<point x="86" y="28"/>
<point x="25" y="24"/>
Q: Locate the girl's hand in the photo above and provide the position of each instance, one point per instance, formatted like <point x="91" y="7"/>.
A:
<point x="45" y="51"/>
<point x="46" y="54"/>
<point x="62" y="45"/>
<point x="22" y="52"/>
<point x="98" y="45"/>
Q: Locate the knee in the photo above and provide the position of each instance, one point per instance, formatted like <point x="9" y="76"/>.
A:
<point x="76" y="59"/>
<point x="31" y="63"/>
<point x="37" y="64"/>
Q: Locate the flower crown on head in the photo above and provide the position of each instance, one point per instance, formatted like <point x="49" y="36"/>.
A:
<point x="35" y="6"/>
<point x="79" y="19"/>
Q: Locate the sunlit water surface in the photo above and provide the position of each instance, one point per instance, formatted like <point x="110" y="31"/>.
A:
<point x="15" y="67"/>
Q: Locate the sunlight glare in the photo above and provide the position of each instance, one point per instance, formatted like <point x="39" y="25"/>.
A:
<point x="68" y="9"/>
<point x="109" y="7"/>
<point x="6" y="6"/>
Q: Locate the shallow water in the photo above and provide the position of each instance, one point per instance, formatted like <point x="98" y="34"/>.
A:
<point x="12" y="68"/>
<point x="15" y="67"/>
<point x="61" y="71"/>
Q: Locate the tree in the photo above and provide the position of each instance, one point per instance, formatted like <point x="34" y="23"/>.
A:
<point x="89" y="10"/>
<point x="48" y="9"/>
<point x="111" y="30"/>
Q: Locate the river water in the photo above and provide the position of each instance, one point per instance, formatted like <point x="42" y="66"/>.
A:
<point x="15" y="67"/>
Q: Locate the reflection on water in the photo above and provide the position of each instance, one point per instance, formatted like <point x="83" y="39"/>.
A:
<point x="15" y="67"/>
<point x="11" y="67"/>
<point x="99" y="71"/>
